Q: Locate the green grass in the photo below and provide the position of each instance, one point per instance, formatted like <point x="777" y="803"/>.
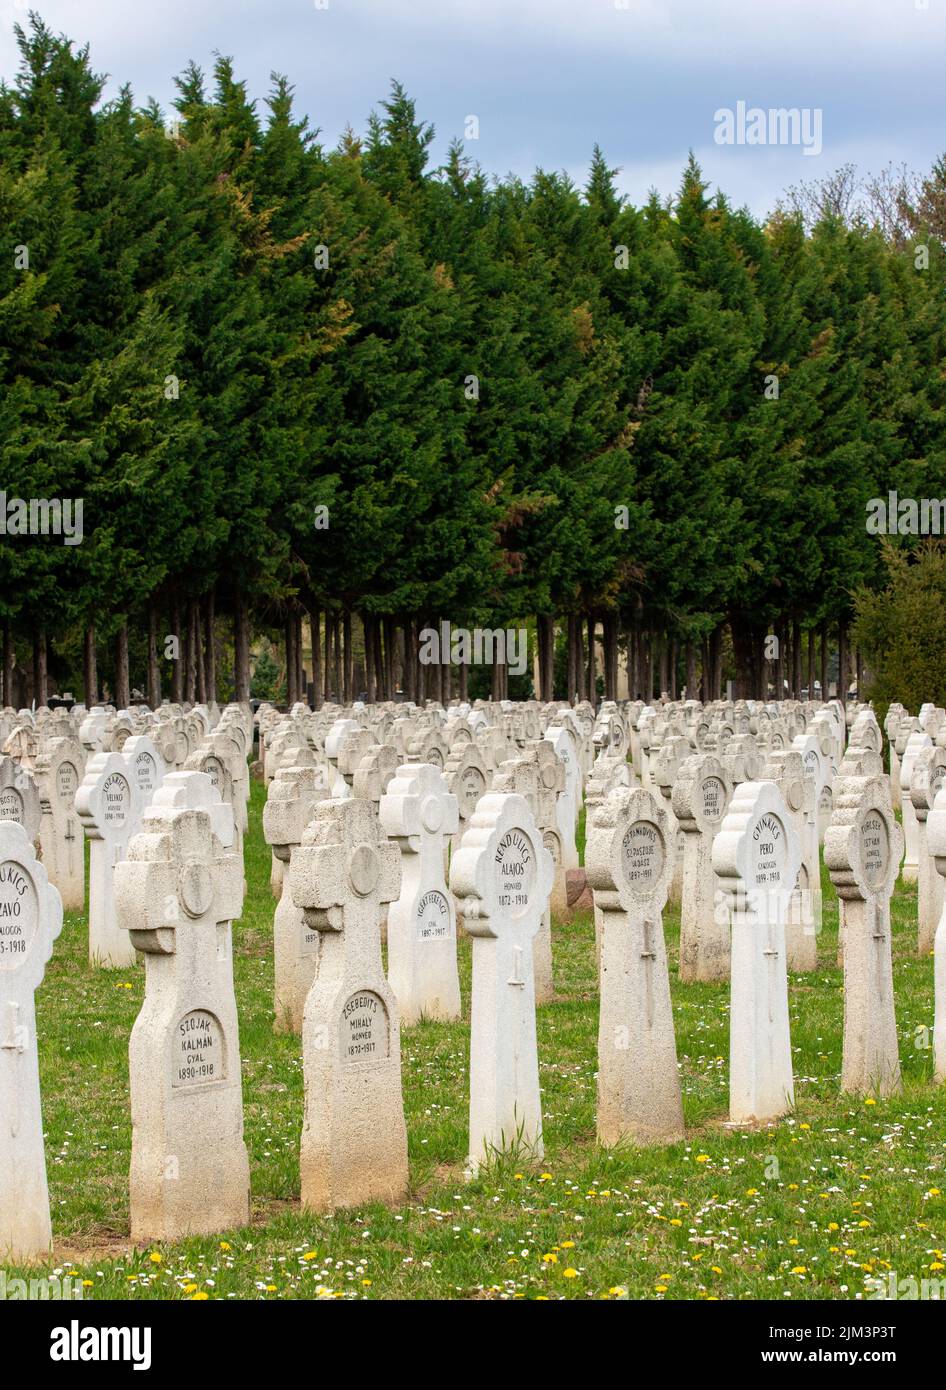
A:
<point x="811" y="1207"/>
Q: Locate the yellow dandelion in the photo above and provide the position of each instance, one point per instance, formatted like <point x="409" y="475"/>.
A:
<point x="225" y="1245"/>
<point x="716" y="1269"/>
<point x="550" y="1259"/>
<point x="870" y="1101"/>
<point x="311" y="1255"/>
<point x="702" y="1158"/>
<point x="675" y="1221"/>
<point x="800" y="1269"/>
<point x="618" y="1291"/>
<point x="200" y="1297"/>
<point x="567" y="1245"/>
<point x="570" y="1273"/>
<point x="155" y="1258"/>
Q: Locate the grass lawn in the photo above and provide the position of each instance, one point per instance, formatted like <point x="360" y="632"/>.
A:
<point x="813" y="1207"/>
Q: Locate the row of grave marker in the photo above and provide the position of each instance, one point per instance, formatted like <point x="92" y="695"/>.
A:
<point x="180" y="887"/>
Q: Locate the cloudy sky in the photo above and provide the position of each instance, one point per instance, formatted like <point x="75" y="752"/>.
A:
<point x="548" y="78"/>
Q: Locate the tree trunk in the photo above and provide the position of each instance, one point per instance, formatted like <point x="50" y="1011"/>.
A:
<point x="292" y="663"/>
<point x="200" y="679"/>
<point x="329" y="658"/>
<point x="122" y="680"/>
<point x="842" y="661"/>
<point x="241" y="651"/>
<point x="811" y="663"/>
<point x="609" y="629"/>
<point x="630" y="661"/>
<point x="7" y="664"/>
<point x="367" y="623"/>
<point x="210" y="667"/>
<point x="573" y="678"/>
<point x="824" y="661"/>
<point x="40" y="693"/>
<point x="379" y="659"/>
<point x="154" y="668"/>
<point x="689" y="659"/>
<point x="190" y="670"/>
<point x="90" y="667"/>
<point x="592" y="681"/>
<point x="390" y="657"/>
<point x="315" y="629"/>
<point x="349" y="658"/>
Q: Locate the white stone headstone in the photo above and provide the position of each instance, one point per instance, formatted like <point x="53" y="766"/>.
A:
<point x="756" y="856"/>
<point x="502" y="874"/>
<point x="354" y="1142"/>
<point x="177" y="895"/>
<point x="629" y="858"/>
<point x="418" y="813"/>
<point x="701" y="796"/>
<point x="863" y="849"/>
<point x="108" y="803"/>
<point x="30" y="921"/>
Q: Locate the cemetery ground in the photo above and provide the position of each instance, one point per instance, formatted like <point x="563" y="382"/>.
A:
<point x="818" y="1206"/>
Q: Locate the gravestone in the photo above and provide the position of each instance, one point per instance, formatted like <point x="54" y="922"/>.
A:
<point x="629" y="858"/>
<point x="929" y="774"/>
<point x="915" y="742"/>
<point x="294" y="793"/>
<point x="892" y="718"/>
<point x="936" y="844"/>
<point x="418" y="812"/>
<point x="354" y="1141"/>
<point x="467" y="778"/>
<point x="19" y="797"/>
<point x="59" y="770"/>
<point x="502" y="874"/>
<point x="108" y="803"/>
<point x="756" y="856"/>
<point x="520" y="776"/>
<point x="176" y="895"/>
<point x="863" y="848"/>
<point x="30" y="921"/>
<point x="145" y="765"/>
<point x="796" y="779"/>
<point x="701" y="796"/>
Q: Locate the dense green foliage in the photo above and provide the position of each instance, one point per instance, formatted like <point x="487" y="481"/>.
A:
<point x="901" y="628"/>
<point x="223" y="328"/>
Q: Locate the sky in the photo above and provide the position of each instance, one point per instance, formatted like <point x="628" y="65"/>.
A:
<point x="547" y="79"/>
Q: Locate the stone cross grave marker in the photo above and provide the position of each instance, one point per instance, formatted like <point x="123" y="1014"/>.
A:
<point x="520" y="775"/>
<point x="936" y="844"/>
<point x="756" y="856"/>
<point x="863" y="848"/>
<point x="502" y="874"/>
<point x="294" y="793"/>
<point x="108" y="803"/>
<point x="59" y="770"/>
<point x="19" y="797"/>
<point x="30" y="921"/>
<point x="929" y="774"/>
<point x="354" y="1141"/>
<point x="914" y="744"/>
<point x="701" y="796"/>
<point x="177" y="894"/>
<point x="629" y="857"/>
<point x="146" y="766"/>
<point x="796" y="780"/>
<point x="417" y="812"/>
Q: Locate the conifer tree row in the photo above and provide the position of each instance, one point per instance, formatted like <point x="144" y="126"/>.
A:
<point x="344" y="393"/>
